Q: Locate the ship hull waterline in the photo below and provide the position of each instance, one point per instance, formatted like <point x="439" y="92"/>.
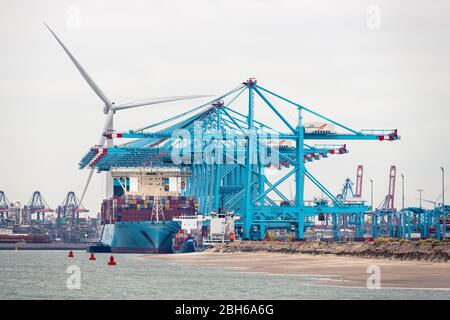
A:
<point x="149" y="237"/>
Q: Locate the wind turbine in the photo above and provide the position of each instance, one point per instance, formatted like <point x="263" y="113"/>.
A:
<point x="434" y="203"/>
<point x="111" y="107"/>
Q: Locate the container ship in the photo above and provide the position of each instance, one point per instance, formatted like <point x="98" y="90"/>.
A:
<point x="139" y="217"/>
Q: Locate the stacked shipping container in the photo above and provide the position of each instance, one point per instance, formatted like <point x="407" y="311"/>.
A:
<point x="139" y="208"/>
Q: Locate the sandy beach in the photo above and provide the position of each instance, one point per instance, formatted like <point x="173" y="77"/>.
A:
<point x="332" y="269"/>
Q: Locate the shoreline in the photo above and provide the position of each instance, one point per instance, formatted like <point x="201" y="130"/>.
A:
<point x="383" y="248"/>
<point x="327" y="269"/>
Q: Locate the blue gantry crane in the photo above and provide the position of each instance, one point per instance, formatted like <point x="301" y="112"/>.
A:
<point x="350" y="198"/>
<point x="227" y="151"/>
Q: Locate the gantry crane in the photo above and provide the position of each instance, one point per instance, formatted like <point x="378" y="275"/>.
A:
<point x="385" y="218"/>
<point x="36" y="205"/>
<point x="69" y="210"/>
<point x="350" y="198"/>
<point x="4" y="205"/>
<point x="226" y="152"/>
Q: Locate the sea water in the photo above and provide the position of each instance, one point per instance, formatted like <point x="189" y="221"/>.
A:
<point x="52" y="275"/>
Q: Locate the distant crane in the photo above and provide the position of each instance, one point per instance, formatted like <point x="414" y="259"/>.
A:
<point x="384" y="219"/>
<point x="38" y="206"/>
<point x="359" y="181"/>
<point x="70" y="208"/>
<point x="4" y="205"/>
<point x="347" y="189"/>
<point x="388" y="202"/>
<point x="347" y="196"/>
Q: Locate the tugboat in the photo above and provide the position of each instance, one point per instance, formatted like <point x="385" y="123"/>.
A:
<point x="199" y="232"/>
<point x="183" y="243"/>
<point x="99" y="247"/>
<point x="190" y="237"/>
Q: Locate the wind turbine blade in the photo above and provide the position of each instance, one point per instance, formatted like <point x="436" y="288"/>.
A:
<point x="83" y="72"/>
<point x="86" y="186"/>
<point x="440" y="196"/>
<point x="102" y="141"/>
<point x="433" y="202"/>
<point x="160" y="98"/>
<point x="146" y="102"/>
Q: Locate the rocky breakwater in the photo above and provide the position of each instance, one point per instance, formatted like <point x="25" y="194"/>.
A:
<point x="424" y="250"/>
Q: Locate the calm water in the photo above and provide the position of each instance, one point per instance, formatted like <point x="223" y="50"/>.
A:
<point x="43" y="275"/>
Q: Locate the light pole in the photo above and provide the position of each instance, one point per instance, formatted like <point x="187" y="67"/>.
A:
<point x="420" y="197"/>
<point x="444" y="220"/>
<point x="403" y="191"/>
<point x="371" y="195"/>
<point x="372" y="217"/>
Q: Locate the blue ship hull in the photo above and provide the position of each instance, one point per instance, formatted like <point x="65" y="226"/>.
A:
<point x="140" y="236"/>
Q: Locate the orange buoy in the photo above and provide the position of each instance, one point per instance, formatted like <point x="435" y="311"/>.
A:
<point x="70" y="255"/>
<point x="92" y="257"/>
<point x="111" y="261"/>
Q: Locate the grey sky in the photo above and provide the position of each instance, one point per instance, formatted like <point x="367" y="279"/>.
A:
<point x="320" y="53"/>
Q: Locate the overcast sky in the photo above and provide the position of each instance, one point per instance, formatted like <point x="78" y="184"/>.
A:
<point x="368" y="64"/>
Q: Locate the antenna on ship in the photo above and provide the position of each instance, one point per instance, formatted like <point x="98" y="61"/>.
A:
<point x="157" y="209"/>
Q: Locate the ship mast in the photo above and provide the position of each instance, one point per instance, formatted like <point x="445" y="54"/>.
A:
<point x="157" y="209"/>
